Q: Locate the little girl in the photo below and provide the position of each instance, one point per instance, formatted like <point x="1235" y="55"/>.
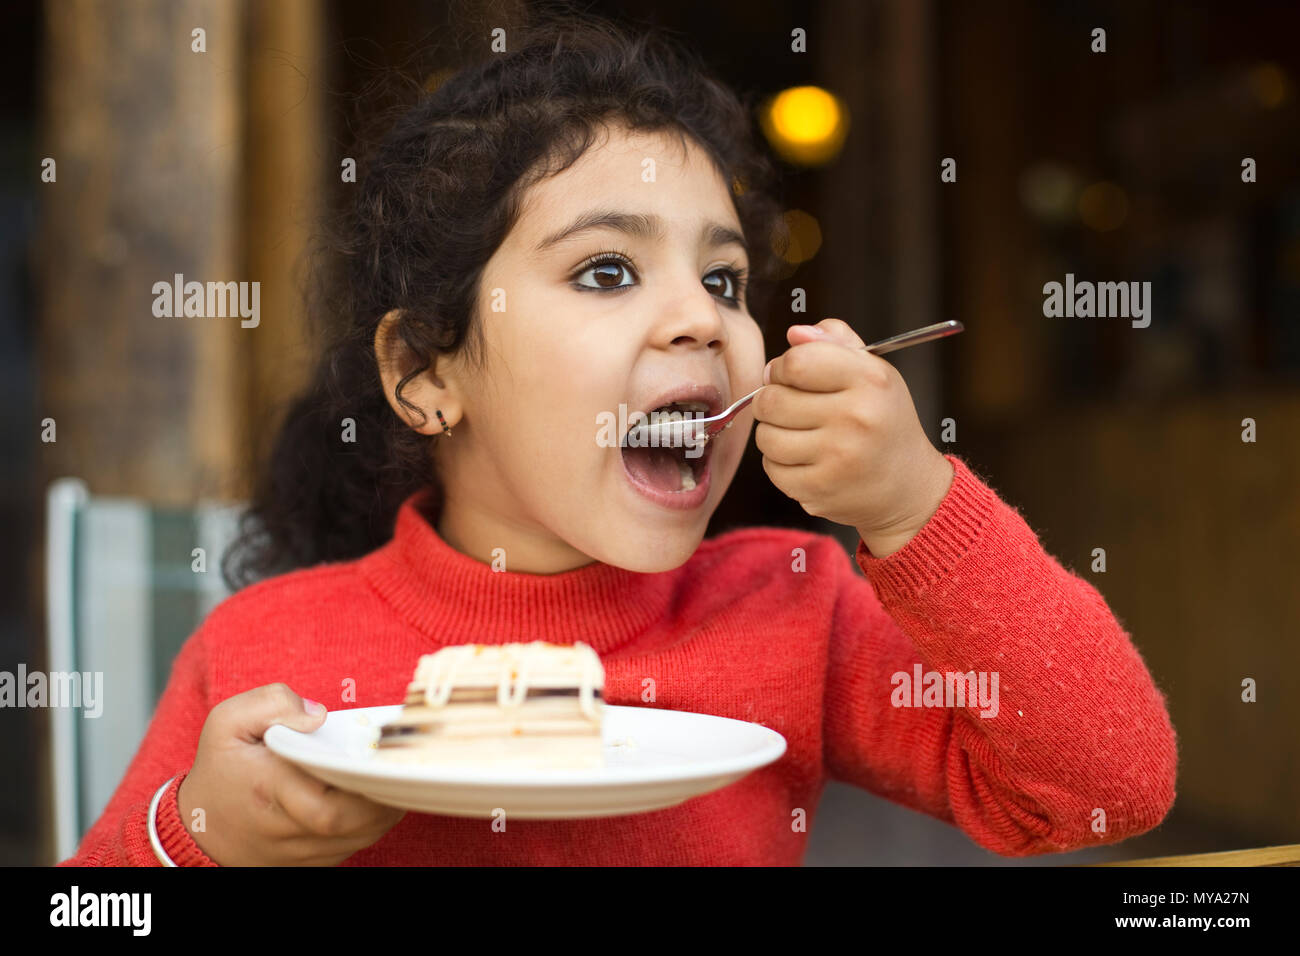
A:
<point x="565" y="230"/>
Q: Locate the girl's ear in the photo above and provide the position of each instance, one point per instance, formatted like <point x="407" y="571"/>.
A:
<point x="428" y="391"/>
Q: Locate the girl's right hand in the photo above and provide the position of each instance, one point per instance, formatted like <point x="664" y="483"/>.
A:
<point x="261" y="810"/>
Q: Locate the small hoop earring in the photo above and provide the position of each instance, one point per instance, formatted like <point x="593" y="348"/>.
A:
<point x="445" y="429"/>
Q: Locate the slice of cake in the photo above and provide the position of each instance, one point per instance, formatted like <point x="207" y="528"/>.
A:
<point x="526" y="706"/>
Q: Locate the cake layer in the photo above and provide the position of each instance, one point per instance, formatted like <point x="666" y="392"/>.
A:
<point x="510" y="669"/>
<point x="415" y="694"/>
<point x="503" y="724"/>
<point x="537" y="705"/>
<point x="533" y="710"/>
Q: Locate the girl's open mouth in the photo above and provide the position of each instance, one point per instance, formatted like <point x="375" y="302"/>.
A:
<point x="676" y="477"/>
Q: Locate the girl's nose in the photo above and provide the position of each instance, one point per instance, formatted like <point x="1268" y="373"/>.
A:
<point x="693" y="320"/>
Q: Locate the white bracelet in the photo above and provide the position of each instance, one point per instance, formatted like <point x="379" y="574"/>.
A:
<point x="163" y="858"/>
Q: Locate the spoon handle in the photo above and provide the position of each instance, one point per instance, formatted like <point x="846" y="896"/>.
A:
<point x="926" y="334"/>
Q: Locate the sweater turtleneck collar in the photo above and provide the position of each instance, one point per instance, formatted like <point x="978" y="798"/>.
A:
<point x="455" y="599"/>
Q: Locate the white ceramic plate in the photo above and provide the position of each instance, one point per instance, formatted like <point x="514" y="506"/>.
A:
<point x="653" y="759"/>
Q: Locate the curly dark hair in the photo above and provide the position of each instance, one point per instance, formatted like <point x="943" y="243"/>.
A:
<point x="437" y="193"/>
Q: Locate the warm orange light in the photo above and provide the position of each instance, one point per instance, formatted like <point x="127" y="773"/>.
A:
<point x="800" y="237"/>
<point x="806" y="124"/>
<point x="1269" y="84"/>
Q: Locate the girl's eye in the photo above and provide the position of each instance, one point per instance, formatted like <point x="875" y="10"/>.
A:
<point x="607" y="271"/>
<point x="734" y="279"/>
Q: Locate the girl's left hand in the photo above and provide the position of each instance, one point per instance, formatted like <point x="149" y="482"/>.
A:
<point x="840" y="435"/>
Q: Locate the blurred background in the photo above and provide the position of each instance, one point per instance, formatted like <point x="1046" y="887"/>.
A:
<point x="1123" y="165"/>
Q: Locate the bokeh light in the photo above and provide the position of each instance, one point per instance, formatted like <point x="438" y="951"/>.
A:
<point x="1269" y="84"/>
<point x="806" y="125"/>
<point x="799" y="237"/>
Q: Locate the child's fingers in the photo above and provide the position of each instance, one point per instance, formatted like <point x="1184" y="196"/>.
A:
<point x="817" y="367"/>
<point x="787" y="446"/>
<point x="248" y="715"/>
<point x="324" y="811"/>
<point x="827" y="330"/>
<point x="789" y="407"/>
<point x="793" y="480"/>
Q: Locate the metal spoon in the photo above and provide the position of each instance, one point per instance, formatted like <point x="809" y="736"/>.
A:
<point x="653" y="434"/>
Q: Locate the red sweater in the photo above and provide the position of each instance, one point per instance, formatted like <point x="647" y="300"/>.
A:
<point x="739" y="631"/>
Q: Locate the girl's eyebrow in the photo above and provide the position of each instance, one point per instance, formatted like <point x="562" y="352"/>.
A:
<point x="639" y="225"/>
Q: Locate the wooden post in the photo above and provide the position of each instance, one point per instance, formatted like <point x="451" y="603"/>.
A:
<point x="288" y="168"/>
<point x="145" y="135"/>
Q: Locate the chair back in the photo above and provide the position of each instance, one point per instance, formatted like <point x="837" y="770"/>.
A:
<point x="127" y="584"/>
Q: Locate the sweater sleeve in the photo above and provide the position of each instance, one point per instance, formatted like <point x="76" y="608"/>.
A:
<point x="120" y="837"/>
<point x="1074" y="746"/>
